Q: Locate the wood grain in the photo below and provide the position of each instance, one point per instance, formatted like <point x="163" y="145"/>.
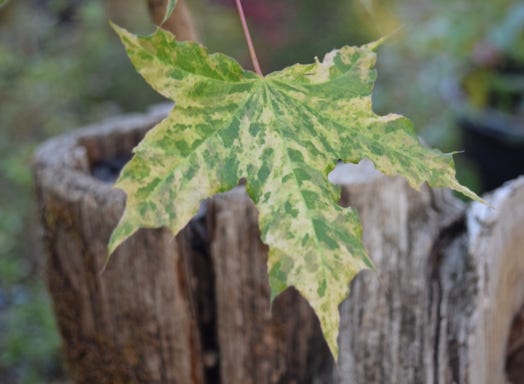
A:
<point x="444" y="304"/>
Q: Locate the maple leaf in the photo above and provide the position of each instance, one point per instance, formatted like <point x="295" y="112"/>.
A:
<point x="170" y="7"/>
<point x="283" y="132"/>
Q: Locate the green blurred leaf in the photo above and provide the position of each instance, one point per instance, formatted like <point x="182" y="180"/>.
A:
<point x="169" y="9"/>
<point x="368" y="4"/>
<point x="283" y="133"/>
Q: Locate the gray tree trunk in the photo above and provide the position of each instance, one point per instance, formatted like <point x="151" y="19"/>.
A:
<point x="442" y="306"/>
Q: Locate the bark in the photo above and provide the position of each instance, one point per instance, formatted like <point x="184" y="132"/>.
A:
<point x="496" y="241"/>
<point x="132" y="323"/>
<point x="283" y="344"/>
<point x="392" y="308"/>
<point x="190" y="309"/>
<point x="444" y="305"/>
<point x="448" y="286"/>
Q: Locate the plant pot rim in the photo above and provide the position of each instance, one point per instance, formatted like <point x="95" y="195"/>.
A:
<point x="494" y="124"/>
<point x="71" y="154"/>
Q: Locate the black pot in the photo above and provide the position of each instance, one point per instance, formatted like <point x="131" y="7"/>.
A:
<point x="494" y="142"/>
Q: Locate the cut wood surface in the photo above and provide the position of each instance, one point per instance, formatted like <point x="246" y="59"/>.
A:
<point x="444" y="304"/>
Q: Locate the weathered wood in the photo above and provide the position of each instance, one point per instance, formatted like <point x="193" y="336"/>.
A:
<point x="387" y="328"/>
<point x="190" y="309"/>
<point x="283" y="344"/>
<point x="443" y="306"/>
<point x="243" y="313"/>
<point x="496" y="243"/>
<point x="448" y="285"/>
<point x="515" y="350"/>
<point x="132" y="323"/>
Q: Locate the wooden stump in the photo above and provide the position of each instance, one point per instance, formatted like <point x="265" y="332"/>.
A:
<point x="443" y="306"/>
<point x="194" y="309"/>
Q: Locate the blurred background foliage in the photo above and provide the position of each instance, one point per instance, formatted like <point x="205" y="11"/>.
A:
<point x="438" y="43"/>
<point x="61" y="67"/>
<point x="423" y="69"/>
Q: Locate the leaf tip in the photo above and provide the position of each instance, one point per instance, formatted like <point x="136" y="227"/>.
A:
<point x="121" y="233"/>
<point x="118" y="29"/>
<point x="457" y="186"/>
<point x="374" y="45"/>
<point x="170" y="7"/>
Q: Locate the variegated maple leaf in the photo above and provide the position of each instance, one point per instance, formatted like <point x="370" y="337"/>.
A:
<point x="283" y="132"/>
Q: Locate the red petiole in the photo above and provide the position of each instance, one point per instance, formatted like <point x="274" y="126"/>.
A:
<point x="252" y="52"/>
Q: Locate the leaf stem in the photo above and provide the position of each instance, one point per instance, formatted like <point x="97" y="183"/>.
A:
<point x="247" y="35"/>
